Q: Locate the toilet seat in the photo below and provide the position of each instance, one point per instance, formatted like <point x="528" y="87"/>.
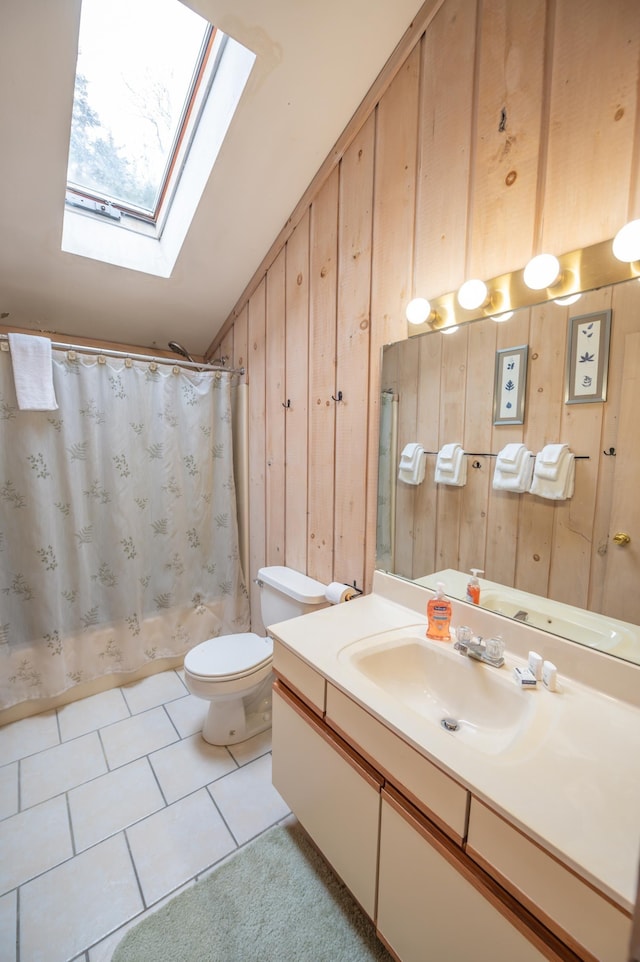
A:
<point x="229" y="656"/>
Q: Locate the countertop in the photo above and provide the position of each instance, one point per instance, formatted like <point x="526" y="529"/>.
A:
<point x="573" y="785"/>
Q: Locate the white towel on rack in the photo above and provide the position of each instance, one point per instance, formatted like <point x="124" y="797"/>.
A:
<point x="451" y="465"/>
<point x="554" y="473"/>
<point x="33" y="372"/>
<point x="514" y="469"/>
<point x="412" y="464"/>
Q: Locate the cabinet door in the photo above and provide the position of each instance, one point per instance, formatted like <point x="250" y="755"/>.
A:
<point x="428" y="909"/>
<point x="336" y="800"/>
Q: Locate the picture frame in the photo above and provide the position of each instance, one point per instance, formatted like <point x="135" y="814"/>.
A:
<point x="510" y="384"/>
<point x="588" y="337"/>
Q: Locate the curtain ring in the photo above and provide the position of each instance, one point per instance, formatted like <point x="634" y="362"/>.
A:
<point x="128" y="362"/>
<point x="153" y="366"/>
<point x="102" y="359"/>
<point x="175" y="370"/>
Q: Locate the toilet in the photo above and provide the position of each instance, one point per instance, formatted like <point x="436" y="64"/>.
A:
<point x="233" y="672"/>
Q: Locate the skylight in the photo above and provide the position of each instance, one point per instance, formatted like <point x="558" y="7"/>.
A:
<point x="151" y="76"/>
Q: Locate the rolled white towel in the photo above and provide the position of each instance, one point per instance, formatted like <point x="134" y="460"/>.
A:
<point x="555" y="489"/>
<point x="451" y="465"/>
<point x="515" y="481"/>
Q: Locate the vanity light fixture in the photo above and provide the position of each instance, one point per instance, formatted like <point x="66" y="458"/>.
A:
<point x="626" y="243"/>
<point x="418" y="310"/>
<point x="542" y="271"/>
<point x="473" y="294"/>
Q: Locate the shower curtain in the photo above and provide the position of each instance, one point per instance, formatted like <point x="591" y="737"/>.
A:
<point x="118" y="527"/>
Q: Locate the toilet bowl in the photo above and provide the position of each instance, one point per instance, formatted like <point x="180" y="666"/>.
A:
<point x="234" y="672"/>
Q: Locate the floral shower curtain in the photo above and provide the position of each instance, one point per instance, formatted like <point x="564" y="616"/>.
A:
<point x="118" y="529"/>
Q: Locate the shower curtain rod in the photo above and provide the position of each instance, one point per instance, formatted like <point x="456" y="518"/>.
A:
<point x="85" y="349"/>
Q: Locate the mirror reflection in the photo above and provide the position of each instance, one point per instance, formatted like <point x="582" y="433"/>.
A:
<point x="555" y="563"/>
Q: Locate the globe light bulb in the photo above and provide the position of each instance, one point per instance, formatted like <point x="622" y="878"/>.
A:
<point x="626" y="243"/>
<point x="541" y="271"/>
<point x="418" y="310"/>
<point x="472" y="294"/>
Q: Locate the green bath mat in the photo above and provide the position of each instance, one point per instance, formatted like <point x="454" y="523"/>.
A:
<point x="275" y="901"/>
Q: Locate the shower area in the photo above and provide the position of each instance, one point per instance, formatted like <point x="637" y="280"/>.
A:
<point x="119" y="537"/>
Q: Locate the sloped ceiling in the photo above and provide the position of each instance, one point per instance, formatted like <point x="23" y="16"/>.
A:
<point x="316" y="59"/>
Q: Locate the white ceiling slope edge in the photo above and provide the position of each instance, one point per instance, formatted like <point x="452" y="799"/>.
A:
<point x="316" y="59"/>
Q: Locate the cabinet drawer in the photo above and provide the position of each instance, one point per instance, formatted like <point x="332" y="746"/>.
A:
<point x="431" y="906"/>
<point x="430" y="790"/>
<point x="336" y="800"/>
<point x="304" y="680"/>
<point x="583" y="918"/>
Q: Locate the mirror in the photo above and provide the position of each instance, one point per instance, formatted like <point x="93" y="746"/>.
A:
<point x="439" y="388"/>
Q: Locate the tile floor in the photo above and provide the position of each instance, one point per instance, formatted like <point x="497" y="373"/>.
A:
<point x="110" y="805"/>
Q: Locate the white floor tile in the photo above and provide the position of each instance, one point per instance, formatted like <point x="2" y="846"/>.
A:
<point x="8" y="927"/>
<point x="153" y="691"/>
<point x="57" y="769"/>
<point x="91" y="713"/>
<point x="8" y="790"/>
<point x="252" y="748"/>
<point x="33" y="842"/>
<point x="188" y="714"/>
<point x="190" y="764"/>
<point x="177" y="843"/>
<point x="108" y="804"/>
<point x="82" y="901"/>
<point x="248" y="801"/>
<point x="137" y="736"/>
<point x="27" y="736"/>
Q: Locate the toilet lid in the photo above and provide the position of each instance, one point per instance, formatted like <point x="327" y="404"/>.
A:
<point x="229" y="655"/>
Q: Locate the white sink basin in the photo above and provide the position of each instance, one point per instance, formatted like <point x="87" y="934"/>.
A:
<point x="435" y="681"/>
<point x="589" y="629"/>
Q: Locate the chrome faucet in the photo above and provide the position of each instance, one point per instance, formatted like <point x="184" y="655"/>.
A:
<point x="490" y="652"/>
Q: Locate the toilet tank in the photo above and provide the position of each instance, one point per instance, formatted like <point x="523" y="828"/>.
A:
<point x="285" y="593"/>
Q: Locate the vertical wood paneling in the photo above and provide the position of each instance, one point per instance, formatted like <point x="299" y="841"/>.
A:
<point x="240" y="356"/>
<point x="504" y="506"/>
<point x="445" y="147"/>
<point x="423" y="200"/>
<point x="625" y="321"/>
<point x="477" y="438"/>
<point x="596" y="49"/>
<point x="257" y="418"/>
<point x="581" y="429"/>
<point x="452" y="411"/>
<point x="407" y="373"/>
<point x="353" y="337"/>
<point x="393" y="229"/>
<point x="276" y="413"/>
<point x="297" y="388"/>
<point x="323" y="273"/>
<point x="507" y="140"/>
<point x="621" y="584"/>
<point x="428" y="434"/>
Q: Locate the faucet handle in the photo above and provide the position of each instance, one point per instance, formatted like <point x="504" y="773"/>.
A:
<point x="464" y="636"/>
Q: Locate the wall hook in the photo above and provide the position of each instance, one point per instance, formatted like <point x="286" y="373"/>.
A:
<point x="338" y="398"/>
<point x="476" y="464"/>
<point x="611" y="453"/>
<point x="287" y="405"/>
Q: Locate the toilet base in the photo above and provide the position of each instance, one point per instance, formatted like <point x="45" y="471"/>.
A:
<point x="235" y="719"/>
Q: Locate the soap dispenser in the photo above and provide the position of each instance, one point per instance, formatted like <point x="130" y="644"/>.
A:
<point x="473" y="586"/>
<point x="439" y="616"/>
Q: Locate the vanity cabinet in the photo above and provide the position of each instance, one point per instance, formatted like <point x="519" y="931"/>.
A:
<point x="432" y="906"/>
<point x="438" y="871"/>
<point x="334" y="794"/>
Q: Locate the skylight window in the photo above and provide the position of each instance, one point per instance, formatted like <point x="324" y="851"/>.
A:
<point x="156" y="88"/>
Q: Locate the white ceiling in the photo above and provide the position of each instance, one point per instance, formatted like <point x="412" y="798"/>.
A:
<point x="316" y="59"/>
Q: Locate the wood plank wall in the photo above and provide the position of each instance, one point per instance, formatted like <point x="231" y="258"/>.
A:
<point x="561" y="550"/>
<point x="504" y="128"/>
